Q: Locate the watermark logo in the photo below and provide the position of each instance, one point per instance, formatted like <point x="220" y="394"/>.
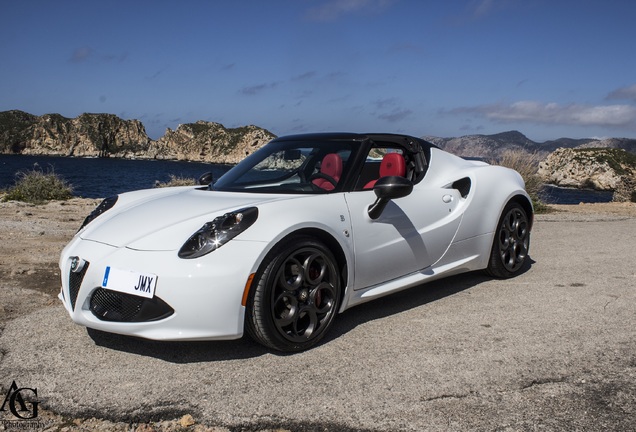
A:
<point x="23" y="403"/>
<point x="17" y="399"/>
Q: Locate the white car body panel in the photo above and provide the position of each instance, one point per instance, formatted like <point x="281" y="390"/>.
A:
<point x="394" y="245"/>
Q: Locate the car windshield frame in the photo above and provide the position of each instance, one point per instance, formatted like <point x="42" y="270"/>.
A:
<point x="290" y="167"/>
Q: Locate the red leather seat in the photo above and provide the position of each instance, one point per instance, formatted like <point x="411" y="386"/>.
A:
<point x="331" y="166"/>
<point x="393" y="164"/>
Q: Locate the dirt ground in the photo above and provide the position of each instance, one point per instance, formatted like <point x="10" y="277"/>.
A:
<point x="32" y="237"/>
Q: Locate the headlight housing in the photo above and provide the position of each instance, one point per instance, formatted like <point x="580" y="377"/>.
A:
<point x="215" y="234"/>
<point x="105" y="205"/>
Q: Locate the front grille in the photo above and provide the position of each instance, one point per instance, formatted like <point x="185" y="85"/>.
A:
<point x="115" y="306"/>
<point x="75" y="282"/>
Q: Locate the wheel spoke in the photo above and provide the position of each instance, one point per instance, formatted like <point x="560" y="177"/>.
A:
<point x="285" y="308"/>
<point x="323" y="298"/>
<point x="314" y="269"/>
<point x="504" y="239"/>
<point x="307" y="322"/>
<point x="291" y="274"/>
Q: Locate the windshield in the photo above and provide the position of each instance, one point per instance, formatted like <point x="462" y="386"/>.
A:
<point x="291" y="167"/>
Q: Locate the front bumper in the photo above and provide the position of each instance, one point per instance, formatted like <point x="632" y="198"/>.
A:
<point x="198" y="299"/>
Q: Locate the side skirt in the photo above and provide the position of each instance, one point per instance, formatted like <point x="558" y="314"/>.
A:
<point x="454" y="262"/>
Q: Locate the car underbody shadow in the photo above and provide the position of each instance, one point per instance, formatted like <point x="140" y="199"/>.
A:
<point x="409" y="298"/>
<point x="180" y="351"/>
<point x="402" y="301"/>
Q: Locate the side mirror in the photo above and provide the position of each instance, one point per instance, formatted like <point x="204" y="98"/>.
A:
<point x="206" y="179"/>
<point x="386" y="189"/>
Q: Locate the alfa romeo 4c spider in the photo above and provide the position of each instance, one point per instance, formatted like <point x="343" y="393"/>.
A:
<point x="299" y="231"/>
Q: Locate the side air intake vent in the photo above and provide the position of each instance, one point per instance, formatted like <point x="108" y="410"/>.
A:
<point x="463" y="186"/>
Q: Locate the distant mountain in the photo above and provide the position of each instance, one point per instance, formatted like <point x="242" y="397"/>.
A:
<point x="565" y="143"/>
<point x="491" y="147"/>
<point x="617" y="143"/>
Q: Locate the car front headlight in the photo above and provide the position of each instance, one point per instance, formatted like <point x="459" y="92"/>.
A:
<point x="105" y="205"/>
<point x="215" y="234"/>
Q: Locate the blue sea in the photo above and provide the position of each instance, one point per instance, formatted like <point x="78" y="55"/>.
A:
<point x="103" y="177"/>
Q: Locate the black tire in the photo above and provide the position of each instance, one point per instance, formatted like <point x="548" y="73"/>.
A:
<point x="295" y="297"/>
<point x="511" y="243"/>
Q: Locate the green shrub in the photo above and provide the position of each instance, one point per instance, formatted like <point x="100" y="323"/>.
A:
<point x="37" y="186"/>
<point x="176" y="181"/>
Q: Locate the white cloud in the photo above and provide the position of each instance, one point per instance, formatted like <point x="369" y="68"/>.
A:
<point x="482" y="7"/>
<point x="256" y="89"/>
<point x="334" y="9"/>
<point x="396" y="115"/>
<point x="386" y="103"/>
<point x="625" y="93"/>
<point x="555" y="114"/>
<point x="81" y="54"/>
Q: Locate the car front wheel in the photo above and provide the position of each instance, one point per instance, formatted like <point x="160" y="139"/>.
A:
<point x="296" y="296"/>
<point x="511" y="243"/>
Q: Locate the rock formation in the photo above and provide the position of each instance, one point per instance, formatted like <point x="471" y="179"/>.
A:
<point x="209" y="142"/>
<point x="601" y="169"/>
<point x="106" y="135"/>
<point x="89" y="135"/>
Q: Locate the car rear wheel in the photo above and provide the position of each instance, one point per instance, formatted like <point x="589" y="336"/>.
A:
<point x="296" y="296"/>
<point x="511" y="243"/>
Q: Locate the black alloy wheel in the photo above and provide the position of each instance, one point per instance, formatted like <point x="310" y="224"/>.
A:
<point x="511" y="243"/>
<point x="296" y="297"/>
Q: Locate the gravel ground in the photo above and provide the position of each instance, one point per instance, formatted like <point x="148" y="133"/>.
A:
<point x="552" y="349"/>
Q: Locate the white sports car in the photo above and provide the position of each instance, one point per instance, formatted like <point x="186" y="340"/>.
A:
<point x="304" y="228"/>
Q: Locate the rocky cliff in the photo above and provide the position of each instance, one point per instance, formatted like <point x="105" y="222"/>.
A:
<point x="88" y="135"/>
<point x="209" y="142"/>
<point x="601" y="169"/>
<point x="106" y="135"/>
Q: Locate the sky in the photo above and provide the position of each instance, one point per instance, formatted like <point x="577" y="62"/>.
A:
<point x="547" y="68"/>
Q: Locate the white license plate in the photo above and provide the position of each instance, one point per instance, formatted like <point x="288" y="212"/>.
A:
<point x="139" y="284"/>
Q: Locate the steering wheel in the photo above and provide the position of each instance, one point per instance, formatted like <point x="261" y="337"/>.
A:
<point x="318" y="175"/>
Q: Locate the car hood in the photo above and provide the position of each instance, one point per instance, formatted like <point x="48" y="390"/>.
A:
<point x="166" y="219"/>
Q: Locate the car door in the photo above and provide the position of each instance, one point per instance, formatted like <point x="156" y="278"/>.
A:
<point x="411" y="234"/>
